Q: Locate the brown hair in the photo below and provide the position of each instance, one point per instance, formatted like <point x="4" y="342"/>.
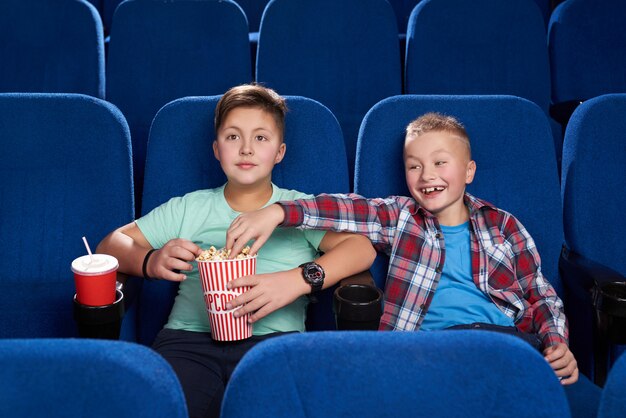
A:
<point x="433" y="122"/>
<point x="251" y="95"/>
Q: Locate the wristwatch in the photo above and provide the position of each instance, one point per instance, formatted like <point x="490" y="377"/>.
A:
<point x="314" y="275"/>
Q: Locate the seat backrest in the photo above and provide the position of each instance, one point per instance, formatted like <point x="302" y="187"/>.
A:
<point x="586" y="43"/>
<point x="80" y="377"/>
<point x="510" y="141"/>
<point x="613" y="399"/>
<point x="343" y="53"/>
<point x="160" y="51"/>
<point x="65" y="172"/>
<point x="180" y="160"/>
<point x="393" y="374"/>
<point x="593" y="178"/>
<point x="51" y="47"/>
<point x="478" y="47"/>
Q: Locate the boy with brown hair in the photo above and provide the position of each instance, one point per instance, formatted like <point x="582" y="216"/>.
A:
<point x="249" y="125"/>
<point x="455" y="261"/>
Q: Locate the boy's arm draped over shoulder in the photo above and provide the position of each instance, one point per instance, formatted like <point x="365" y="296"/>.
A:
<point x="374" y="218"/>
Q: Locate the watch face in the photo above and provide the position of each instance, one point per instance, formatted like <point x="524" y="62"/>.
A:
<point x="313" y="273"/>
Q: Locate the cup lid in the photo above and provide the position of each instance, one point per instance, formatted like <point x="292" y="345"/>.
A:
<point x="96" y="264"/>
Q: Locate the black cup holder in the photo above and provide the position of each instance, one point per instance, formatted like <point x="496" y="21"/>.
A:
<point x="609" y="300"/>
<point x="102" y="322"/>
<point x="357" y="307"/>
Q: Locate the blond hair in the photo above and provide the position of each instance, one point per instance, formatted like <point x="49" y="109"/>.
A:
<point x="438" y="122"/>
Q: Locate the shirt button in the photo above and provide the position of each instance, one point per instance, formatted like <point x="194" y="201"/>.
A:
<point x="438" y="270"/>
<point x="423" y="306"/>
<point x="438" y="235"/>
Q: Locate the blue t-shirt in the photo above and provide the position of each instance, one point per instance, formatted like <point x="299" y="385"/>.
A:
<point x="457" y="299"/>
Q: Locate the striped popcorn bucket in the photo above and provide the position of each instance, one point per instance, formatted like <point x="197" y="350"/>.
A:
<point x="214" y="276"/>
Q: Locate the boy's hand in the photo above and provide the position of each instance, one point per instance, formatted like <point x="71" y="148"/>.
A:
<point x="257" y="225"/>
<point x="267" y="293"/>
<point x="174" y="255"/>
<point x="562" y="361"/>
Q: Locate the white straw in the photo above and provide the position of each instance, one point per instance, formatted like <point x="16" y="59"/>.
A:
<point x="88" y="250"/>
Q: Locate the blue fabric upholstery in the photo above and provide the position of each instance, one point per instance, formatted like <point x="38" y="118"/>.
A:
<point x="478" y="47"/>
<point x="510" y="139"/>
<point x="65" y="172"/>
<point x="593" y="180"/>
<point x="107" y="11"/>
<point x="86" y="378"/>
<point x="384" y="374"/>
<point x="343" y="53"/>
<point x="253" y="10"/>
<point x="163" y="50"/>
<point x="586" y="41"/>
<point x="180" y="160"/>
<point x="51" y="47"/>
<point x="402" y="10"/>
<point x="613" y="400"/>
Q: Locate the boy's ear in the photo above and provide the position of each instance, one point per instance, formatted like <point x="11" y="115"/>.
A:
<point x="281" y="153"/>
<point x="216" y="152"/>
<point x="470" y="171"/>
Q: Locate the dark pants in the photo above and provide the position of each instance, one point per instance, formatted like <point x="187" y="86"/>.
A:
<point x="532" y="339"/>
<point x="203" y="366"/>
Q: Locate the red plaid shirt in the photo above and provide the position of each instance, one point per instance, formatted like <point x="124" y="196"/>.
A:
<point x="505" y="262"/>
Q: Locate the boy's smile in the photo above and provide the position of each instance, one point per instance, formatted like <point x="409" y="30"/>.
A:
<point x="437" y="169"/>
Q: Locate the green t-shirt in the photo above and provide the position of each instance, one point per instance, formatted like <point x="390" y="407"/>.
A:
<point x="203" y="217"/>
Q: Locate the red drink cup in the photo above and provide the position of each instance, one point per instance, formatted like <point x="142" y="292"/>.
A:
<point x="214" y="276"/>
<point x="95" y="278"/>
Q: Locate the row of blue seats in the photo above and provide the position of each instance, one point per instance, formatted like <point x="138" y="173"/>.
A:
<point x="254" y="11"/>
<point x="67" y="173"/>
<point x="344" y="54"/>
<point x="333" y="374"/>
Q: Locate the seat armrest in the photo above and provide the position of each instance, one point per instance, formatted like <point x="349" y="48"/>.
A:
<point x="577" y="268"/>
<point x="364" y="278"/>
<point x="561" y="112"/>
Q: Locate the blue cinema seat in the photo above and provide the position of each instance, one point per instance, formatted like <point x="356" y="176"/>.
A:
<point x="72" y="378"/>
<point x="613" y="400"/>
<point x="586" y="41"/>
<point x="180" y="160"/>
<point x="480" y="47"/>
<point x="593" y="184"/>
<point x="51" y="47"/>
<point x="163" y="50"/>
<point x="342" y="53"/>
<point x="394" y="374"/>
<point x="65" y="172"/>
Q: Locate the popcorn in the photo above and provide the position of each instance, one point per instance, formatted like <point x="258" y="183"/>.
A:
<point x="213" y="254"/>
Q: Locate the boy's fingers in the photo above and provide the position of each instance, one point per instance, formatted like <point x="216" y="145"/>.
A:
<point x="260" y="314"/>
<point x="257" y="244"/>
<point x="242" y="282"/>
<point x="251" y="306"/>
<point x="240" y="300"/>
<point x="554" y="352"/>
<point x="573" y="378"/>
<point x="232" y="235"/>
